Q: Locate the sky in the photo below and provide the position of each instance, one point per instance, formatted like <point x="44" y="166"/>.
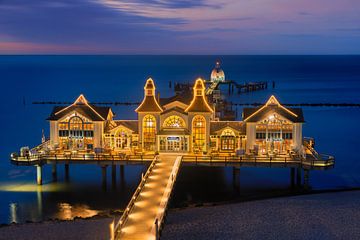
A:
<point x="179" y="27"/>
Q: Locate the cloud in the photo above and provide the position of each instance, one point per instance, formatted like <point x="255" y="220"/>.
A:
<point x="177" y="26"/>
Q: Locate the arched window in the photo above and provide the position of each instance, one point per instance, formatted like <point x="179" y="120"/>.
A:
<point x="174" y="122"/>
<point x="76" y="127"/>
<point x="121" y="138"/>
<point x="228" y="140"/>
<point x="199" y="133"/>
<point x="76" y="123"/>
<point x="149" y="132"/>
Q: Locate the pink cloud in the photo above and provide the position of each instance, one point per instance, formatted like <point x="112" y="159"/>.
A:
<point x="9" y="47"/>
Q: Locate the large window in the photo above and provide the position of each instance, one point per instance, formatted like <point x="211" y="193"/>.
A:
<point x="149" y="132"/>
<point x="76" y="132"/>
<point x="122" y="138"/>
<point x="228" y="140"/>
<point x="199" y="133"/>
<point x="174" y="122"/>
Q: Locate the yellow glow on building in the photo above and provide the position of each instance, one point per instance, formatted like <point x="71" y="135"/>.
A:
<point x="149" y="103"/>
<point x="272" y="101"/>
<point x="82" y="100"/>
<point x="199" y="98"/>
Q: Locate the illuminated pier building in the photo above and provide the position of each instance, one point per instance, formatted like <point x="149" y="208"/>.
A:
<point x="182" y="123"/>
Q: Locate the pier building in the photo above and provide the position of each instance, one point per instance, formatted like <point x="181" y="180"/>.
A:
<point x="168" y="133"/>
<point x="182" y="123"/>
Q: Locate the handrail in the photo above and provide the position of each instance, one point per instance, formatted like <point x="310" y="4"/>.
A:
<point x="322" y="160"/>
<point x="165" y="198"/>
<point x="80" y="156"/>
<point x="130" y="205"/>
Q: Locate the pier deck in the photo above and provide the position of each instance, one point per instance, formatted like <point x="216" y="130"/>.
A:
<point x="144" y="214"/>
<point x="310" y="162"/>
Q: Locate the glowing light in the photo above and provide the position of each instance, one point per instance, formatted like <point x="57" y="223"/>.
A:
<point x="199" y="91"/>
<point x="272" y="101"/>
<point x="149" y="89"/>
<point x="80" y="99"/>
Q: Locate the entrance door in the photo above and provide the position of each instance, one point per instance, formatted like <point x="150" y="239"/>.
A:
<point x="173" y="144"/>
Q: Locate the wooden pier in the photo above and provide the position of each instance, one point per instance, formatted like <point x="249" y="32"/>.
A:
<point x="240" y="87"/>
<point x="144" y="215"/>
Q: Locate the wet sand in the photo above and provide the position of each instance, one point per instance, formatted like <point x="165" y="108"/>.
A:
<point x="315" y="216"/>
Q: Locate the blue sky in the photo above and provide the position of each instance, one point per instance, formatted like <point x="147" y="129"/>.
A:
<point x="180" y="27"/>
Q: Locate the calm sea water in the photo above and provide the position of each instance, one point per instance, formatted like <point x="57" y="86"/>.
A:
<point x="310" y="79"/>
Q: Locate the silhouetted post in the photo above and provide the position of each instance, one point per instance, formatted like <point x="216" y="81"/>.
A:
<point x="236" y="176"/>
<point x="67" y="172"/>
<point x="39" y="174"/>
<point x="113" y="175"/>
<point x="122" y="176"/>
<point x="103" y="173"/>
<point x="298" y="177"/>
<point x="307" y="179"/>
<point x="54" y="172"/>
<point x="273" y="83"/>
<point x="292" y="177"/>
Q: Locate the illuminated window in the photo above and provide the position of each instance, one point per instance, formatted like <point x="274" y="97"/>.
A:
<point x="199" y="133"/>
<point x="228" y="140"/>
<point x="76" y="133"/>
<point x="76" y="123"/>
<point x="121" y="138"/>
<point x="149" y="132"/>
<point x="174" y="122"/>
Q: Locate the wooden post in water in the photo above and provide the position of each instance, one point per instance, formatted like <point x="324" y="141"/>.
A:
<point x="113" y="175"/>
<point x="103" y="173"/>
<point x="298" y="177"/>
<point x="292" y="177"/>
<point x="39" y="174"/>
<point x="67" y="172"/>
<point x="236" y="180"/>
<point x="54" y="172"/>
<point x="307" y="179"/>
<point x="122" y="176"/>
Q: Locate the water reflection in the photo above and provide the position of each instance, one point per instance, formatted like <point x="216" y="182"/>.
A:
<point x="13" y="213"/>
<point x="67" y="211"/>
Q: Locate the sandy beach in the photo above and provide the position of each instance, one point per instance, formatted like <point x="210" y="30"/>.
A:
<point x="315" y="216"/>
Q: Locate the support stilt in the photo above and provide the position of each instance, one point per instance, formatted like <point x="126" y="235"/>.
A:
<point x="113" y="175"/>
<point x="103" y="172"/>
<point x="236" y="180"/>
<point x="39" y="174"/>
<point x="298" y="177"/>
<point x="306" y="179"/>
<point x="54" y="172"/>
<point x="292" y="177"/>
<point x="67" y="175"/>
<point x="122" y="176"/>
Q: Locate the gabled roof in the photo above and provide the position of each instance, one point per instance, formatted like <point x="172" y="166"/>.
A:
<point x="133" y="125"/>
<point x="219" y="125"/>
<point x="149" y="103"/>
<point x="176" y="109"/>
<point x="184" y="97"/>
<point x="82" y="107"/>
<point x="273" y="105"/>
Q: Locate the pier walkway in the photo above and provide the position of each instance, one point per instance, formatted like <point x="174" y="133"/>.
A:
<point x="144" y="214"/>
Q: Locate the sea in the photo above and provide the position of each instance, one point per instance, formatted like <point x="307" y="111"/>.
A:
<point x="112" y="78"/>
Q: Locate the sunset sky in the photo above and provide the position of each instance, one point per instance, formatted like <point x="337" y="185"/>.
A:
<point x="180" y="27"/>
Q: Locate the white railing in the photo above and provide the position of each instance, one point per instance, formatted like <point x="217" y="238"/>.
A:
<point x="165" y="199"/>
